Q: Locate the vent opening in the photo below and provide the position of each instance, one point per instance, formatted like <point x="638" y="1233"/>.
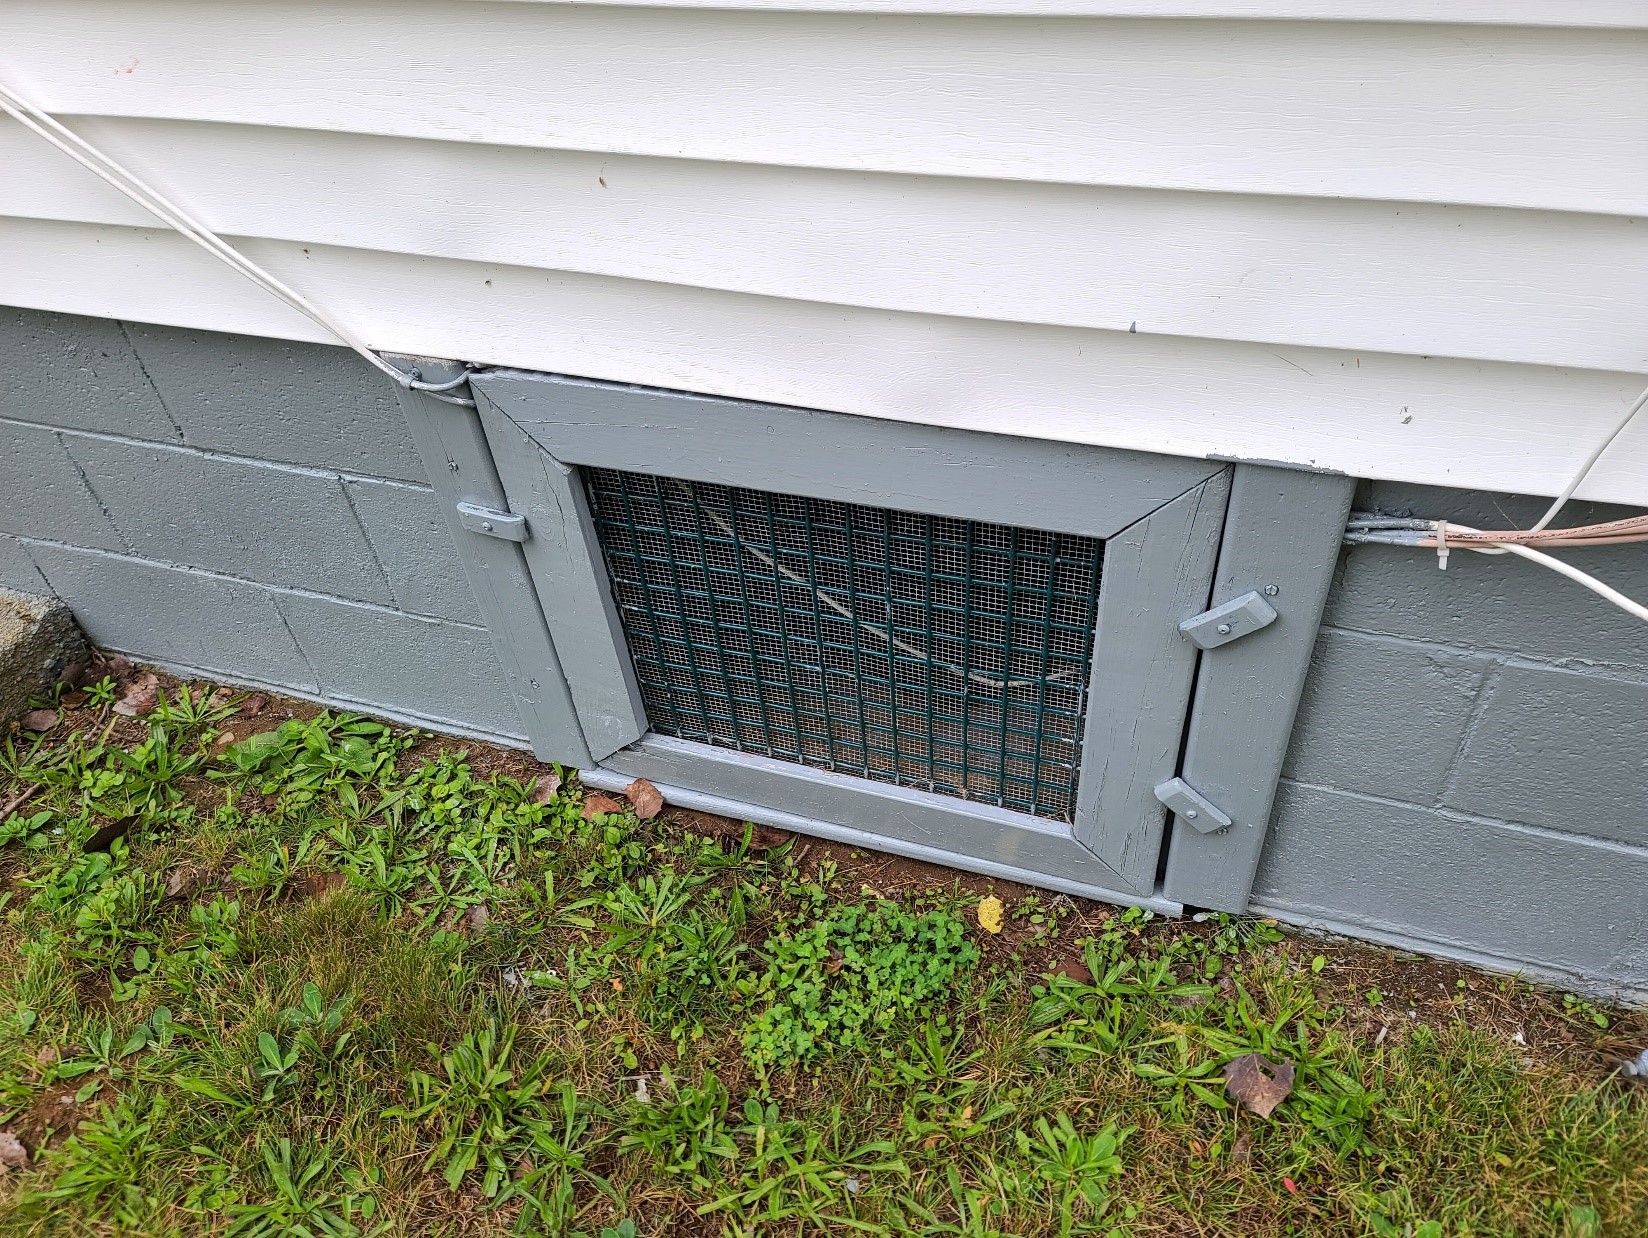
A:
<point x="935" y="653"/>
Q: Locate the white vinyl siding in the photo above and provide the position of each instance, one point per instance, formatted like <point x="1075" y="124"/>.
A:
<point x="1404" y="249"/>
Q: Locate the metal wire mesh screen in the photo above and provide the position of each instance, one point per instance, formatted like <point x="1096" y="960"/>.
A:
<point x="946" y="655"/>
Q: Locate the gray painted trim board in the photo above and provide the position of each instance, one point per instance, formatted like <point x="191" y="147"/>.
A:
<point x="1156" y="572"/>
<point x="1282" y="538"/>
<point x="916" y="824"/>
<point x="968" y="474"/>
<point x="460" y="465"/>
<point x="570" y="574"/>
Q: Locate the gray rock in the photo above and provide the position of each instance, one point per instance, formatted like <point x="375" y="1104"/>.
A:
<point x="38" y="640"/>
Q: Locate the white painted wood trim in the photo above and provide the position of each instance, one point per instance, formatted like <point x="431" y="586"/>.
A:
<point x="1435" y="420"/>
<point x="1624" y="14"/>
<point x="1500" y="115"/>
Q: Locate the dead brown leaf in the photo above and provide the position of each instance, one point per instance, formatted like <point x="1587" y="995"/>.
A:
<point x="179" y="882"/>
<point x="766" y="837"/>
<point x="103" y="838"/>
<point x="596" y="804"/>
<point x="13" y="1155"/>
<point x="318" y="884"/>
<point x="1075" y="969"/>
<point x="140" y="697"/>
<point x="646" y="799"/>
<point x="220" y="697"/>
<point x="254" y="705"/>
<point x="72" y="700"/>
<point x="1242" y="1150"/>
<point x="74" y="675"/>
<point x="38" y="720"/>
<point x="475" y="919"/>
<point x="545" y="787"/>
<point x="1257" y="1083"/>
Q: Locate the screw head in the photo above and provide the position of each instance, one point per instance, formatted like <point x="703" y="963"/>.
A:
<point x="1223" y="629"/>
<point x="1191" y="813"/>
<point x="487" y="525"/>
<point x="1271" y="590"/>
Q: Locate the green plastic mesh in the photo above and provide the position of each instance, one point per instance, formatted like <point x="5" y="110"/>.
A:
<point x="946" y="655"/>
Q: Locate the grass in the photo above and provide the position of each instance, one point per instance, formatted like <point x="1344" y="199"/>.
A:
<point x="283" y="971"/>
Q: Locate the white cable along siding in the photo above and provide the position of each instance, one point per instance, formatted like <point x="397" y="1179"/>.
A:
<point x="1400" y="249"/>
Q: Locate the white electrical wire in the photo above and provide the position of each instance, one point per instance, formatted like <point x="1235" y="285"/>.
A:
<point x="1590" y="462"/>
<point x="1366" y="528"/>
<point x="1572" y="573"/>
<point x="106" y="168"/>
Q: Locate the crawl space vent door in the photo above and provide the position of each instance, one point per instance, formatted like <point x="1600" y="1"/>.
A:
<point x="950" y="644"/>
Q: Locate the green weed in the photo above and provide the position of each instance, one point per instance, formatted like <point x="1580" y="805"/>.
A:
<point x="316" y="983"/>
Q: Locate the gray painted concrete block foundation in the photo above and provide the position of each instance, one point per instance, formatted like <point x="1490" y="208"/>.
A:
<point x="1465" y="776"/>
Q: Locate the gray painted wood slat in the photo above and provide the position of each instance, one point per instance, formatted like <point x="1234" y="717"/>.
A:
<point x="1282" y="533"/>
<point x="565" y="562"/>
<point x="937" y="828"/>
<point x="1156" y="573"/>
<point x="459" y="463"/>
<point x="1061" y="487"/>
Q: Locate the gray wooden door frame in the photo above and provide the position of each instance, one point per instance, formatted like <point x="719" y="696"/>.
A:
<point x="1160" y="518"/>
<point x="459" y="463"/>
<point x="558" y="637"/>
<point x="1283" y="539"/>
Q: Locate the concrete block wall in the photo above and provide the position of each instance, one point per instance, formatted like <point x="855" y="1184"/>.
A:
<point x="1468" y="771"/>
<point x="239" y="507"/>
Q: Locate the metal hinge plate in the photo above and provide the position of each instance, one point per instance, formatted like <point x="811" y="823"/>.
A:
<point x="1191" y="806"/>
<point x="1229" y="621"/>
<point x="488" y="523"/>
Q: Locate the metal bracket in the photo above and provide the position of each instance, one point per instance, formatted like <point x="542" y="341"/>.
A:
<point x="1229" y="621"/>
<point x="489" y="523"/>
<point x="1189" y="804"/>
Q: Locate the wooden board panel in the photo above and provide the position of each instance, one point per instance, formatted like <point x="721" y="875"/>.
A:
<point x="990" y="477"/>
<point x="459" y="462"/>
<point x="572" y="585"/>
<point x="1490" y="283"/>
<point x="1156" y="573"/>
<point x="1433" y="420"/>
<point x="981" y="837"/>
<point x="1493" y="114"/>
<point x="1626" y="14"/>
<point x="1282" y="533"/>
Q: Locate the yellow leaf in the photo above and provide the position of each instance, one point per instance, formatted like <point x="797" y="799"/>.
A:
<point x="989" y="913"/>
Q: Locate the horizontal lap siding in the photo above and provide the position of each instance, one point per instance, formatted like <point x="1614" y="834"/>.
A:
<point x="1400" y="250"/>
<point x="1499" y="115"/>
<point x="1437" y="419"/>
<point x="1540" y="287"/>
